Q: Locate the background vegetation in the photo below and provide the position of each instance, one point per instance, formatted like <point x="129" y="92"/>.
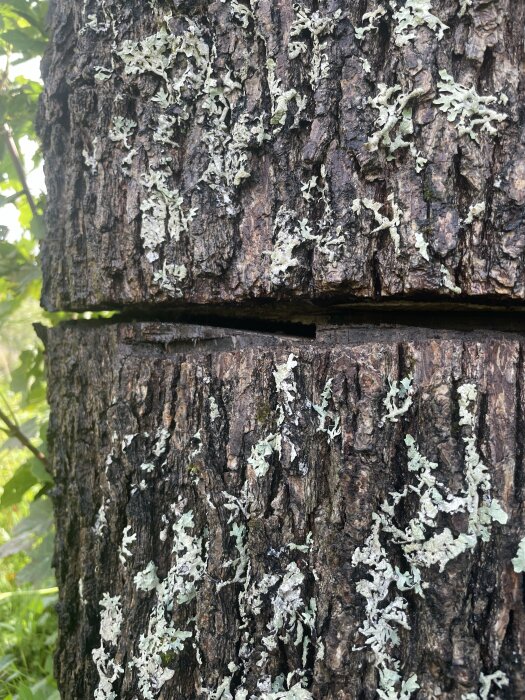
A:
<point x="27" y="593"/>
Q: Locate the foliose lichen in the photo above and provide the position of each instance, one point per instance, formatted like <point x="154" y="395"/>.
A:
<point x="471" y="111"/>
<point x="422" y="547"/>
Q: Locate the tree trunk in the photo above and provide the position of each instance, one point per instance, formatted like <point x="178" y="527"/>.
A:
<point x="232" y="152"/>
<point x="225" y="487"/>
<point x="323" y="498"/>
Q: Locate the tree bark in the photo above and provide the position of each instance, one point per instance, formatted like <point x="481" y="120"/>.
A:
<point x="114" y="388"/>
<point x="296" y="160"/>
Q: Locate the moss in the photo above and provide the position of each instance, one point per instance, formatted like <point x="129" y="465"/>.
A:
<point x="194" y="468"/>
<point x="263" y="412"/>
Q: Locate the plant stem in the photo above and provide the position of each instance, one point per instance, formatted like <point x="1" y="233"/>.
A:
<point x="39" y="591"/>
<point x="15" y="431"/>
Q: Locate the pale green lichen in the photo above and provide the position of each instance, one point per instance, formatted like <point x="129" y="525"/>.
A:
<point x="214" y="409"/>
<point x="316" y="26"/>
<point x="122" y="130"/>
<point x="366" y="65"/>
<point x="262" y="451"/>
<point x="422" y="245"/>
<point x="475" y="211"/>
<point x="240" y="563"/>
<point x="90" y="157"/>
<point x="162" y="213"/>
<point x="394" y="121"/>
<point x="284" y="379"/>
<point x="497" y="678"/>
<point x="108" y="670"/>
<point x="281" y="98"/>
<point x="147" y="579"/>
<point x="448" y="282"/>
<point x="384" y="223"/>
<point x="519" y="560"/>
<point x="411" y="15"/>
<point x="421" y="547"/>
<point x="99" y="22"/>
<point x="242" y="13"/>
<point x="102" y="73"/>
<point x="170" y="277"/>
<point x="127" y="540"/>
<point x="369" y="18"/>
<point x="463" y="7"/>
<point x="288" y="234"/>
<point x="178" y="588"/>
<point x="290" y="614"/>
<point x="290" y="231"/>
<point x="470" y="110"/>
<point x="329" y="421"/>
<point x="228" y="152"/>
<point x="398" y="400"/>
<point x="101" y="521"/>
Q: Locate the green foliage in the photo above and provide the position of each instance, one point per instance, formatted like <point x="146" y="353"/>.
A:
<point x="27" y="593"/>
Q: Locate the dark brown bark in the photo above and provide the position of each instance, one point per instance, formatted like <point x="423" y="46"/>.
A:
<point x="95" y="256"/>
<point x="112" y="387"/>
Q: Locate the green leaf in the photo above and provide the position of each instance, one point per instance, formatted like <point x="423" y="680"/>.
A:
<point x="21" y="481"/>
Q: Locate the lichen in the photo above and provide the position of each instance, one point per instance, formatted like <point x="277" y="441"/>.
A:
<point x="122" y="130"/>
<point x="147" y="579"/>
<point x="421" y="547"/>
<point x="214" y="409"/>
<point x="288" y="234"/>
<point x="316" y="26"/>
<point x="369" y="18"/>
<point x="127" y="540"/>
<point x="90" y="157"/>
<point x="411" y="15"/>
<point x="101" y="521"/>
<point x="281" y="98"/>
<point x="470" y="110"/>
<point x="108" y="670"/>
<point x="421" y="245"/>
<point x="448" y="282"/>
<point x="463" y="7"/>
<point x="178" y="588"/>
<point x="519" y="560"/>
<point x="398" y="400"/>
<point x="384" y="223"/>
<point x="325" y="415"/>
<point x="261" y="451"/>
<point x="241" y="13"/>
<point x="497" y="678"/>
<point x="163" y="214"/>
<point x="475" y="211"/>
<point x="394" y="121"/>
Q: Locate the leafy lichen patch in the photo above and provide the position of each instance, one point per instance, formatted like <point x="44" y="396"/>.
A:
<point x="424" y="542"/>
<point x="412" y="14"/>
<point x="464" y="105"/>
<point x="384" y="223"/>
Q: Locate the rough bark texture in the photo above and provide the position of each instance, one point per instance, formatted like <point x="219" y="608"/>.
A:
<point x="239" y="106"/>
<point x="113" y="387"/>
